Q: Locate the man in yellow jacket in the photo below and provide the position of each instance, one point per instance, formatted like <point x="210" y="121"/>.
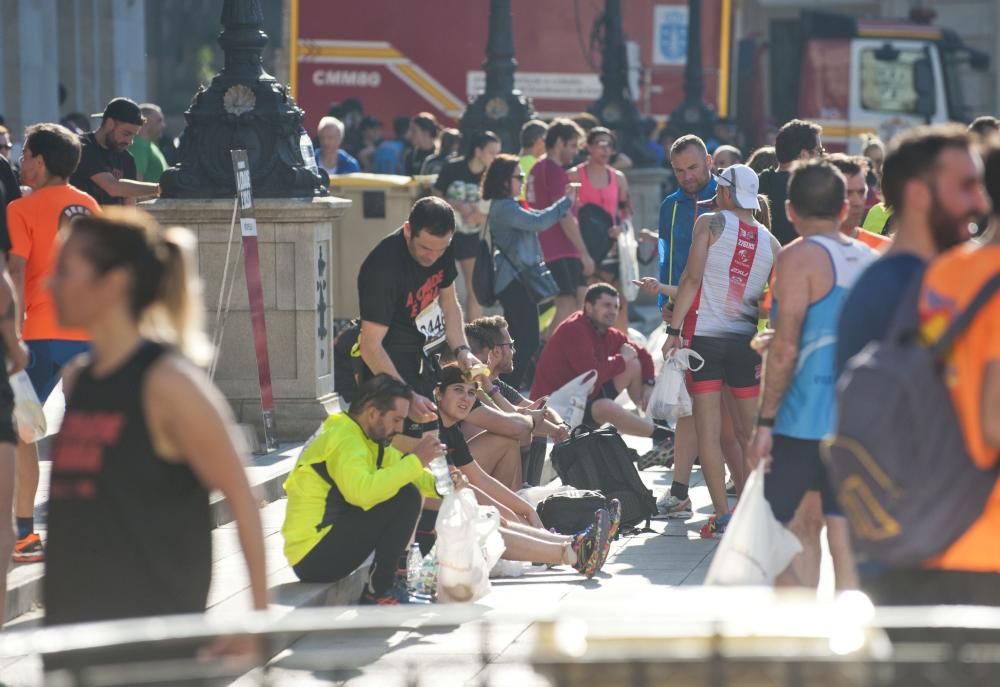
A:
<point x="351" y="493"/>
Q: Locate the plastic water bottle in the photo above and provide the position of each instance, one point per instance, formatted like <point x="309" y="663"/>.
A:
<point x="414" y="561"/>
<point x="442" y="478"/>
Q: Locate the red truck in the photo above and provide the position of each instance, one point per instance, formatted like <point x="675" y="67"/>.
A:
<point x="852" y="76"/>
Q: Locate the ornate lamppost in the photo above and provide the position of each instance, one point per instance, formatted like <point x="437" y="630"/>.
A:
<point x="500" y="108"/>
<point x="616" y="108"/>
<point x="693" y="116"/>
<point x="244" y="108"/>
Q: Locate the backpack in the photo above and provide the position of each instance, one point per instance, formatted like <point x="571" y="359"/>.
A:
<point x="897" y="434"/>
<point x="599" y="459"/>
<point x="571" y="511"/>
<point x="483" y="269"/>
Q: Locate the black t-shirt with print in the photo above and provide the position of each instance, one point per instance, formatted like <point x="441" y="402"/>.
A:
<point x="458" y="184"/>
<point x="96" y="159"/>
<point x="9" y="190"/>
<point x="396" y="291"/>
<point x="458" y="453"/>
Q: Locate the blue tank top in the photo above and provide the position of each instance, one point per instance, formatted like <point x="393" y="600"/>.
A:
<point x="807" y="409"/>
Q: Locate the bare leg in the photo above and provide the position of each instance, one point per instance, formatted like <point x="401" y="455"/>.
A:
<point x="606" y="410"/>
<point x="685" y="449"/>
<point x="806" y="524"/>
<point x="473" y="310"/>
<point x="7" y="459"/>
<point x="740" y="413"/>
<point x="622" y="322"/>
<point x="536" y="533"/>
<point x="708" y="423"/>
<point x="499" y="457"/>
<point x="523" y="547"/>
<point x="565" y="306"/>
<point x="844" y="569"/>
<point x="26" y="480"/>
<point x="631" y="381"/>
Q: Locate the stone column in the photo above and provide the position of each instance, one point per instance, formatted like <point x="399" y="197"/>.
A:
<point x="296" y="237"/>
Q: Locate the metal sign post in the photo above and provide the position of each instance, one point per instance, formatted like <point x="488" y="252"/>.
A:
<point x="255" y="292"/>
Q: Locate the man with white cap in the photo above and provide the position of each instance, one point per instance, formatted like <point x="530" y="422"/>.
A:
<point x="716" y="308"/>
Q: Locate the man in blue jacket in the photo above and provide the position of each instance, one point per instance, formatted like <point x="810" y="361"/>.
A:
<point x="692" y="167"/>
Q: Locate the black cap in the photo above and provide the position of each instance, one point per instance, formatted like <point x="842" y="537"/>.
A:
<point x="122" y="110"/>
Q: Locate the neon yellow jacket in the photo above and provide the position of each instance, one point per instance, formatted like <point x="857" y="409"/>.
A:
<point x="349" y="458"/>
<point x="876" y="218"/>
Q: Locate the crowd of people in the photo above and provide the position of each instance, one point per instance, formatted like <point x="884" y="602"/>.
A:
<point x="777" y="273"/>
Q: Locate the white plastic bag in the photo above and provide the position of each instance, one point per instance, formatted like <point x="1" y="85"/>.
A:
<point x="670" y="399"/>
<point x="628" y="261"/>
<point x="570" y="400"/>
<point x="466" y="546"/>
<point x="756" y="548"/>
<point x="29" y="415"/>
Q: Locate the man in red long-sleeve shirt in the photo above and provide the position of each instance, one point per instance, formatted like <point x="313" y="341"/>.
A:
<point x="587" y="340"/>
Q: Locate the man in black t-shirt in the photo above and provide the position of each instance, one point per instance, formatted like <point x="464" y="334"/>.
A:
<point x="10" y="190"/>
<point x="798" y="140"/>
<point x="409" y="310"/>
<point x="107" y="170"/>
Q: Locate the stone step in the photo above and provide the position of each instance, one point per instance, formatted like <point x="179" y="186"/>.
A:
<point x="266" y="473"/>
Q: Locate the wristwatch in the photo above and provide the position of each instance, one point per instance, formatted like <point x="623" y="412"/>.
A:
<point x="673" y="331"/>
<point x="765" y="421"/>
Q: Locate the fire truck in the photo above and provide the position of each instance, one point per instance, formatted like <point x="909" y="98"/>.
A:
<point x="853" y="76"/>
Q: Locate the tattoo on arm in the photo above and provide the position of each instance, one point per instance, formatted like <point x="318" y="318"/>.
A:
<point x="716" y="225"/>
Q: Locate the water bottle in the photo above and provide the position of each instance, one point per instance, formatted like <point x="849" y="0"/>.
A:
<point x="442" y="478"/>
<point x="413" y="563"/>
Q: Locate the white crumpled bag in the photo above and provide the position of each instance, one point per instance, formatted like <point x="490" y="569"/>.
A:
<point x="628" y="261"/>
<point x="670" y="399"/>
<point x="756" y="548"/>
<point x="468" y="546"/>
<point x="570" y="400"/>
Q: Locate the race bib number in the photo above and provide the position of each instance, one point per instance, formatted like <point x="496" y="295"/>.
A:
<point x="430" y="323"/>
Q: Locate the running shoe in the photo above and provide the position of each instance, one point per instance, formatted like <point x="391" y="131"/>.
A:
<point x="730" y="487"/>
<point x="673" y="507"/>
<point x="28" y="549"/>
<point x="716" y="526"/>
<point x="589" y="544"/>
<point x="614" y="520"/>
<point x="662" y="455"/>
<point x="396" y="595"/>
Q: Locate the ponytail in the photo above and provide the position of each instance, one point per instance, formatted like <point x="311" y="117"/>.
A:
<point x="164" y="292"/>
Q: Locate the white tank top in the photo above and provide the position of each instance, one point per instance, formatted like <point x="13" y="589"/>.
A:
<point x="736" y="272"/>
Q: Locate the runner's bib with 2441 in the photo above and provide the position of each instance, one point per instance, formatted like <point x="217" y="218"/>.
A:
<point x="430" y="323"/>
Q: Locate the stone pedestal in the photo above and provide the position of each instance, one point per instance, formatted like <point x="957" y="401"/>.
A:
<point x="296" y="241"/>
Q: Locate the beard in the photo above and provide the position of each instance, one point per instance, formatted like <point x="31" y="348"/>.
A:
<point x="947" y="230"/>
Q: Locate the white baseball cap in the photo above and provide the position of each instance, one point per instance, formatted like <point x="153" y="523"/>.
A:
<point x="744" y="183"/>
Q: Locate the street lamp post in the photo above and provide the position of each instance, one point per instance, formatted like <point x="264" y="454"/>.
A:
<point x="244" y="108"/>
<point x="693" y="116"/>
<point x="500" y="107"/>
<point x="616" y="108"/>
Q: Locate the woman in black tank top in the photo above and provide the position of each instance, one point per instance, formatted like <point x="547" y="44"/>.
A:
<point x="145" y="435"/>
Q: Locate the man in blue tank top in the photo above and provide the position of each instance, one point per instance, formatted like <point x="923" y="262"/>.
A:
<point x="812" y="277"/>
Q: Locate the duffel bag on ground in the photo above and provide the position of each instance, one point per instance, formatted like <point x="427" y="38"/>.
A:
<point x="570" y="511"/>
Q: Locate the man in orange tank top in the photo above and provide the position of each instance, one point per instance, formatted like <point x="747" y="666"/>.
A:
<point x="51" y="154"/>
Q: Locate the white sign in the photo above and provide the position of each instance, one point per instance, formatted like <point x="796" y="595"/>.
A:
<point x="670" y="34"/>
<point x="248" y="226"/>
<point x="544" y="85"/>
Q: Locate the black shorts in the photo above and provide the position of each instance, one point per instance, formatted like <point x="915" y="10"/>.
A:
<point x="466" y="245"/>
<point x="728" y="360"/>
<point x="568" y="273"/>
<point x="797" y="469"/>
<point x="8" y="435"/>
<point x="609" y="390"/>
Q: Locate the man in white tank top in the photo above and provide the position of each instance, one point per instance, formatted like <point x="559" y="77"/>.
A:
<point x="717" y="307"/>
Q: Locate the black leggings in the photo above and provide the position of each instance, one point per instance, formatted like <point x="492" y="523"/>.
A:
<point x="385" y="529"/>
<point x="521" y="313"/>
